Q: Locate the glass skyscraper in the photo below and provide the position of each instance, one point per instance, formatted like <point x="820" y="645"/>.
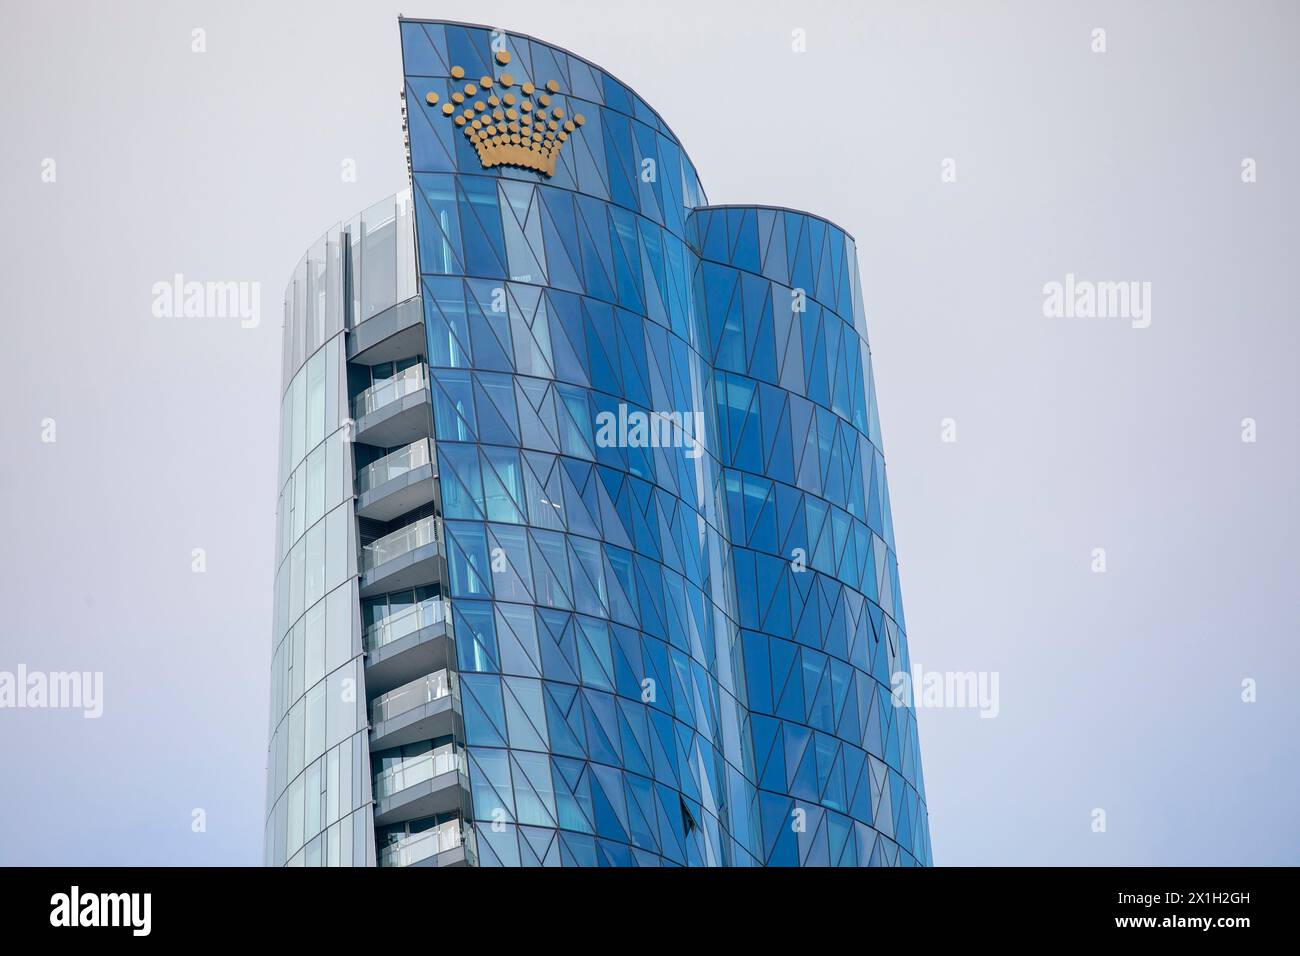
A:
<point x="584" y="546"/>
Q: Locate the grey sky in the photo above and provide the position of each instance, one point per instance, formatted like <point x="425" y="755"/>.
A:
<point x="1119" y="691"/>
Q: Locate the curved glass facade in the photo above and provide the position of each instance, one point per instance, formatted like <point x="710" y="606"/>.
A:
<point x="318" y="764"/>
<point x="811" y="539"/>
<point x="616" y="537"/>
<point x="589" y="586"/>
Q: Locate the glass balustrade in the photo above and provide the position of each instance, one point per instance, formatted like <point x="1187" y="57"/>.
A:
<point x="420" y="846"/>
<point x="419" y="692"/>
<point x="415" y="770"/>
<point x="394" y="465"/>
<point x="390" y="390"/>
<point x="407" y="621"/>
<point x="403" y="541"/>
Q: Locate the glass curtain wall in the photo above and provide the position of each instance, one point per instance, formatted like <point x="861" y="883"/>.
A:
<point x="318" y="764"/>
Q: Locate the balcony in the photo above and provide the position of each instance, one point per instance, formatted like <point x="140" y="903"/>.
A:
<point x="405" y="645"/>
<point x="407" y="558"/>
<point x="443" y="845"/>
<point x="390" y="335"/>
<point x="420" y="787"/>
<point x="397" y="483"/>
<point x="423" y="709"/>
<point x="394" y="411"/>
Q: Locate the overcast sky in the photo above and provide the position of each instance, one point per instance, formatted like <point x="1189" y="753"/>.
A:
<point x="1120" y="691"/>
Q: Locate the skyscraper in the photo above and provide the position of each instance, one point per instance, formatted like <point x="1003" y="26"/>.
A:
<point x="585" y="551"/>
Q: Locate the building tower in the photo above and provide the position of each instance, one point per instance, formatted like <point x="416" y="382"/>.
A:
<point x="585" y="553"/>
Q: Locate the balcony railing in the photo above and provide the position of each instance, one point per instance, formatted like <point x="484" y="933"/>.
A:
<point x="420" y="846"/>
<point x="390" y="390"/>
<point x="400" y="542"/>
<point x="417" y="770"/>
<point x="391" y="466"/>
<point x="425" y="614"/>
<point x="419" y="692"/>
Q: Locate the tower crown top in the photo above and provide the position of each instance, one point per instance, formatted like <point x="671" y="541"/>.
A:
<point x="509" y="123"/>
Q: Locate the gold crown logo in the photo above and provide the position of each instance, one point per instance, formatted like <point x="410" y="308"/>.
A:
<point x="509" y="130"/>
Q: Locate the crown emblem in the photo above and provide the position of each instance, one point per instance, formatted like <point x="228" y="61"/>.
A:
<point x="508" y="129"/>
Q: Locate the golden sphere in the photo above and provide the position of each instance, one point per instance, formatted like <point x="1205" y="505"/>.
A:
<point x="503" y="57"/>
<point x="431" y="99"/>
<point x="457" y="72"/>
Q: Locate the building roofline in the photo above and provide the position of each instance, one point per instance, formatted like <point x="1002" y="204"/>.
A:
<point x="663" y="122"/>
<point x="797" y="212"/>
<point x="554" y="46"/>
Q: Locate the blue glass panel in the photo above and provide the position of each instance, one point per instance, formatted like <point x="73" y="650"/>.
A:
<point x="438" y="216"/>
<point x="467" y="559"/>
<point x="476" y="647"/>
<point x="480" y="218"/>
<point x="485" y="718"/>
<point x="470" y="49"/>
<point x="423" y="49"/>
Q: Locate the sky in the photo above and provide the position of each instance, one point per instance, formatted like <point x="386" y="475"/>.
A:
<point x="977" y="152"/>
